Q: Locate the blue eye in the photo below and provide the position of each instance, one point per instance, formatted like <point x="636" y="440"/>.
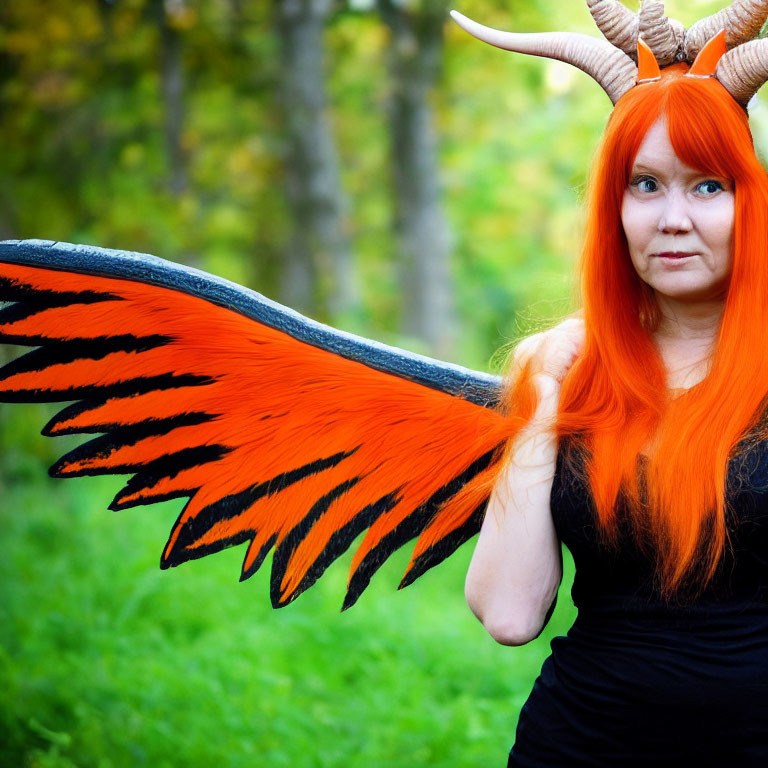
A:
<point x="644" y="184"/>
<point x="709" y="187"/>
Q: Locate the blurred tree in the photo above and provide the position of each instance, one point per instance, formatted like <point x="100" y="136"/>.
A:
<point x="171" y="17"/>
<point x="318" y="261"/>
<point x="424" y="238"/>
<point x="87" y="146"/>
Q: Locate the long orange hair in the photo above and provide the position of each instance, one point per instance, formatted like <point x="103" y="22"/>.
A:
<point x="614" y="401"/>
<point x="615" y="398"/>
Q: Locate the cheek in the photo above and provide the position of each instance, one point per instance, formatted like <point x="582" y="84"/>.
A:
<point x="634" y="222"/>
<point x="721" y="229"/>
<point x="626" y="219"/>
<point x="728" y="229"/>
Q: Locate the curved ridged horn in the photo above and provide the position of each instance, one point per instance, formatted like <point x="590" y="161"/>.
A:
<point x="663" y="35"/>
<point x="611" y="68"/>
<point x="744" y="69"/>
<point x="742" y="20"/>
<point x="617" y="23"/>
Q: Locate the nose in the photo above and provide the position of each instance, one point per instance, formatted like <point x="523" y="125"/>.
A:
<point x="675" y="217"/>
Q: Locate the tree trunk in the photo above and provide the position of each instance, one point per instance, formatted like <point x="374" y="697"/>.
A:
<point x="172" y="79"/>
<point x="318" y="272"/>
<point x="425" y="241"/>
<point x="6" y="230"/>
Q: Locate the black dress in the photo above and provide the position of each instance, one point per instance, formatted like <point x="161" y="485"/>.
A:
<point x="641" y="682"/>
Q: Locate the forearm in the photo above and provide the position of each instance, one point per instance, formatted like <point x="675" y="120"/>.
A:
<point x="516" y="567"/>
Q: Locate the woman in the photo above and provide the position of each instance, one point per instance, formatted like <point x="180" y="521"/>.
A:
<point x="646" y="454"/>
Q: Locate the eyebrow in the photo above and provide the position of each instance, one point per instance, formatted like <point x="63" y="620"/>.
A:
<point x="692" y="172"/>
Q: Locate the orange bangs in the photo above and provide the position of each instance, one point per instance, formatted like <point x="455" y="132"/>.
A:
<point x="615" y="398"/>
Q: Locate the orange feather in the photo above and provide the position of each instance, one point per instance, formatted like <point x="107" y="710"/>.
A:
<point x="273" y="440"/>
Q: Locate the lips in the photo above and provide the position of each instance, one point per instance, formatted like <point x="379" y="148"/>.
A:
<point x="675" y="255"/>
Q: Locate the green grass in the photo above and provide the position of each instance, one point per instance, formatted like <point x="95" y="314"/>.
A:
<point x="107" y="661"/>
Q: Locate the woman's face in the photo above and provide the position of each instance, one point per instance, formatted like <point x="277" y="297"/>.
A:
<point x="678" y="223"/>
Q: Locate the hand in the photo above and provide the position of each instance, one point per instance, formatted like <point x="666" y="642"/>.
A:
<point x="551" y="353"/>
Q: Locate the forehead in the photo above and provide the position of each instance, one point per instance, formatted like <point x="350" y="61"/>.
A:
<point x="656" y="151"/>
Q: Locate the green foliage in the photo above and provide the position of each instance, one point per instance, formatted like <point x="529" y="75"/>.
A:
<point x="107" y="661"/>
<point x="85" y="156"/>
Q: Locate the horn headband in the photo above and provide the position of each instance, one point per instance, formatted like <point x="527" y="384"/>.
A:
<point x="638" y="46"/>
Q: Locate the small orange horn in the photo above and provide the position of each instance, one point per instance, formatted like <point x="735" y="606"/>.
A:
<point x="709" y="56"/>
<point x="647" y="67"/>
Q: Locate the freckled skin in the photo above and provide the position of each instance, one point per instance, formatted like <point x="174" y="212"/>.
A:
<point x="671" y="208"/>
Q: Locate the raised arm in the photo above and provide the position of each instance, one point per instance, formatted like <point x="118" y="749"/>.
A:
<point x="517" y="567"/>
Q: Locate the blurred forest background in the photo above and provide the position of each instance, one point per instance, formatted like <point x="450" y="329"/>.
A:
<point x="371" y="165"/>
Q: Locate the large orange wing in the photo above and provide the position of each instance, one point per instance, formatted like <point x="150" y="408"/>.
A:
<point x="281" y="432"/>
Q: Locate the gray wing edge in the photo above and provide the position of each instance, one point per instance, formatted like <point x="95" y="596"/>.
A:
<point x="474" y="386"/>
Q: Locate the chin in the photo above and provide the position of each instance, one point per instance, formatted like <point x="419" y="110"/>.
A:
<point x="691" y="294"/>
